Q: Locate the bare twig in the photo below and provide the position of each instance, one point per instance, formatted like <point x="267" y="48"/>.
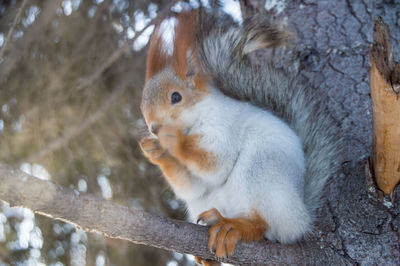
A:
<point x="95" y="214"/>
<point x="11" y="31"/>
<point x="84" y="82"/>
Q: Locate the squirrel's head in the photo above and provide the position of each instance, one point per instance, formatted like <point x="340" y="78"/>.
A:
<point x="166" y="97"/>
<point x="174" y="82"/>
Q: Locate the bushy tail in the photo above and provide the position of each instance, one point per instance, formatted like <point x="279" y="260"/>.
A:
<point x="222" y="50"/>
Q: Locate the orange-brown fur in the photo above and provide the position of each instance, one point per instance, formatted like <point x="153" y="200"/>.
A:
<point x="226" y="232"/>
<point x="203" y="159"/>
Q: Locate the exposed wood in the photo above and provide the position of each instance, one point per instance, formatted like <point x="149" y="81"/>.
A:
<point x="384" y="84"/>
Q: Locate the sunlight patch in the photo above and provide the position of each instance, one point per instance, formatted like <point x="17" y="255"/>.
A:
<point x="31" y="13"/>
<point x="233" y="9"/>
<point x="277" y="5"/>
<point x="105" y="186"/>
<point x="35" y="170"/>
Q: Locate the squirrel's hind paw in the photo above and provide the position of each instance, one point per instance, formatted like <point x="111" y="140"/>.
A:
<point x="226" y="232"/>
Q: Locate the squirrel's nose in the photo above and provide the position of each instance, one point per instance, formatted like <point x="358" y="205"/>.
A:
<point x="154" y="128"/>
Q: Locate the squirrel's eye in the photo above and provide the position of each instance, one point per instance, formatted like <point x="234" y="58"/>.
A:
<point x="176" y="97"/>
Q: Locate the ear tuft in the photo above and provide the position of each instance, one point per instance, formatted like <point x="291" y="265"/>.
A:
<point x="157" y="56"/>
<point x="184" y="42"/>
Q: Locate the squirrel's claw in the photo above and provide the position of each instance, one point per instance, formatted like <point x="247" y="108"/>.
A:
<point x="223" y="238"/>
<point x="201" y="262"/>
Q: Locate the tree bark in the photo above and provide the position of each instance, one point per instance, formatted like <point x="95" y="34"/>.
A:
<point x="385" y="86"/>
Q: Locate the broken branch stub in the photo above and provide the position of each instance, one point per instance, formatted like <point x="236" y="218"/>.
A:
<point x="384" y="85"/>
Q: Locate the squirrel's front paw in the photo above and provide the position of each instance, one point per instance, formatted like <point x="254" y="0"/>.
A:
<point x="152" y="149"/>
<point x="170" y="137"/>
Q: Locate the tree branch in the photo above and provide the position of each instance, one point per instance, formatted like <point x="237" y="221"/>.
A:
<point x="94" y="214"/>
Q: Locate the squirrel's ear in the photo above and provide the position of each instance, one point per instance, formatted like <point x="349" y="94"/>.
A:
<point x="183" y="42"/>
<point x="191" y="68"/>
<point x="157" y="56"/>
<point x="195" y="75"/>
<point x="200" y="81"/>
<point x="185" y="61"/>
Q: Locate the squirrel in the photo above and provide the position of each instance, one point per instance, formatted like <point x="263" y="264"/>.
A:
<point x="248" y="147"/>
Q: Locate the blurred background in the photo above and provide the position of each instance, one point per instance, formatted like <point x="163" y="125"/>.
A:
<point x="63" y="119"/>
